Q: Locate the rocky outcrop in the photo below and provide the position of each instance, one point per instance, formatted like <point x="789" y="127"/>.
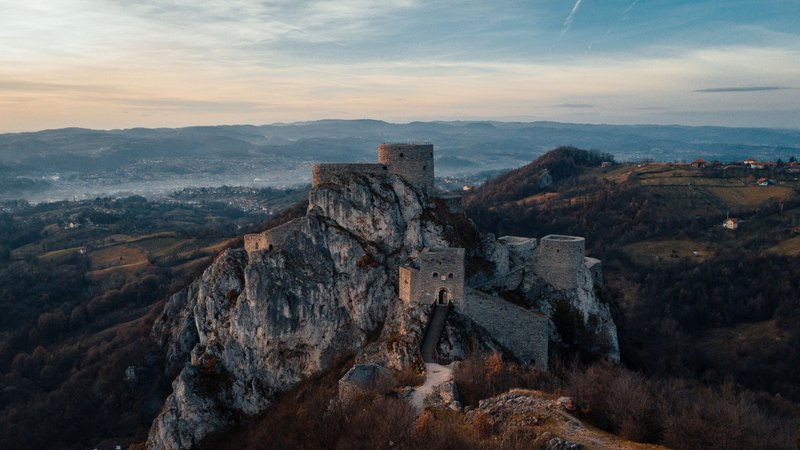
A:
<point x="364" y="378"/>
<point x="597" y="330"/>
<point x="255" y="324"/>
<point x="444" y="395"/>
<point x="540" y="421"/>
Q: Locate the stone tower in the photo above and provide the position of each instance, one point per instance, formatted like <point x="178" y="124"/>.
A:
<point x="437" y="278"/>
<point x="413" y="162"/>
<point x="559" y="258"/>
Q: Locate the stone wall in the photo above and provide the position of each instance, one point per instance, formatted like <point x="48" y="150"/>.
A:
<point x="523" y="332"/>
<point x="330" y="172"/>
<point x="454" y="203"/>
<point x="439" y="269"/>
<point x="521" y="251"/>
<point x="408" y="280"/>
<point x="255" y="242"/>
<point x="271" y="238"/>
<point x="413" y="162"/>
<point x="595" y="267"/>
<point x="558" y="259"/>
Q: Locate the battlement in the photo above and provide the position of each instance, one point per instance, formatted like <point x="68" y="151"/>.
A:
<point x="330" y="172"/>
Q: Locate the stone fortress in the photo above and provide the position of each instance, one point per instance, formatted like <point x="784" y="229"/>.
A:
<point x="412" y="162"/>
<point x="437" y="276"/>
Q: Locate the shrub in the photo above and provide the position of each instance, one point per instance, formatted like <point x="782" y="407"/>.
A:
<point x="483" y="376"/>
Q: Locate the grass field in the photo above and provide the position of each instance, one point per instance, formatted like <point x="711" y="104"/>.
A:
<point x="751" y="196"/>
<point x="162" y="247"/>
<point x="789" y="247"/>
<point x="661" y="251"/>
<point x="61" y="253"/>
<point x="118" y="255"/>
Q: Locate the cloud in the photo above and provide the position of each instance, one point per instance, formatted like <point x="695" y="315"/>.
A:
<point x="744" y="89"/>
<point x="39" y="87"/>
<point x="568" y="20"/>
<point x="575" y="105"/>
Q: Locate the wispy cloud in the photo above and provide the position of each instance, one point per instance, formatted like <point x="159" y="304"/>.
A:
<point x="38" y="87"/>
<point x="568" y="20"/>
<point x="744" y="89"/>
<point x="575" y="105"/>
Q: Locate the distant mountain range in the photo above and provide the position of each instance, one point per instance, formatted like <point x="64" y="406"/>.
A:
<point x="76" y="162"/>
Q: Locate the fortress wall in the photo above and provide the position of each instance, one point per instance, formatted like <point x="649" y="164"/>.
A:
<point x="271" y="238"/>
<point x="330" y="172"/>
<point x="558" y="258"/>
<point x="409" y="278"/>
<point x="595" y="267"/>
<point x="440" y="268"/>
<point x="524" y="332"/>
<point x="521" y="250"/>
<point x="454" y="203"/>
<point x="520" y="254"/>
<point x="413" y="162"/>
<point x="255" y="242"/>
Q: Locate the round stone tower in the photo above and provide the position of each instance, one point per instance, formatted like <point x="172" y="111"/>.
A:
<point x="559" y="258"/>
<point x="413" y="162"/>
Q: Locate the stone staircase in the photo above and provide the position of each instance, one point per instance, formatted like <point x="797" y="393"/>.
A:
<point x="433" y="334"/>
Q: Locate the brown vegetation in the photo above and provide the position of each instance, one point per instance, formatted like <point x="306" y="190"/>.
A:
<point x="483" y="376"/>
<point x="78" y="364"/>
<point x="677" y="413"/>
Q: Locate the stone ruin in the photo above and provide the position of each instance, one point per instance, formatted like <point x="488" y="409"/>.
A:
<point x="413" y="162"/>
<point x="436" y="276"/>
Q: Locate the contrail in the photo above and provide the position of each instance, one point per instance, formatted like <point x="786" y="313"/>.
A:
<point x="629" y="8"/>
<point x="568" y="20"/>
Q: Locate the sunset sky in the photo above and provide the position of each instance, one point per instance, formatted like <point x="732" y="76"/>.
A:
<point x="122" y="64"/>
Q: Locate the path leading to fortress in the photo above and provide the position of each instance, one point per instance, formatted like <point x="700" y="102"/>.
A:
<point x="435" y="374"/>
<point x="434" y="333"/>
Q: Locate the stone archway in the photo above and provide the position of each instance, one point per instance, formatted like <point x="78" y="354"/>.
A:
<point x="443" y="297"/>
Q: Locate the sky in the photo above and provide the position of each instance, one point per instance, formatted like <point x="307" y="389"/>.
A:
<point x="165" y="63"/>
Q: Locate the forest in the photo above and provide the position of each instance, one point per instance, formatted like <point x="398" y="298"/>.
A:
<point x="707" y="317"/>
<point x="80" y="286"/>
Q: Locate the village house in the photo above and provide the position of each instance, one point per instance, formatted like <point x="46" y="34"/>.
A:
<point x="730" y="223"/>
<point x="699" y="164"/>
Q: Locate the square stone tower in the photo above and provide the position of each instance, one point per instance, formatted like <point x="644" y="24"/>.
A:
<point x="437" y="277"/>
<point x="413" y="162"/>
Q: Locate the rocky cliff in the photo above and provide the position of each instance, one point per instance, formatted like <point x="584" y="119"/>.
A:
<point x="254" y="324"/>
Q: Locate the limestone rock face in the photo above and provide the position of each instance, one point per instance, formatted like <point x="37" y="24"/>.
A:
<point x="364" y="378"/>
<point x="582" y="301"/>
<point x="255" y="324"/>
